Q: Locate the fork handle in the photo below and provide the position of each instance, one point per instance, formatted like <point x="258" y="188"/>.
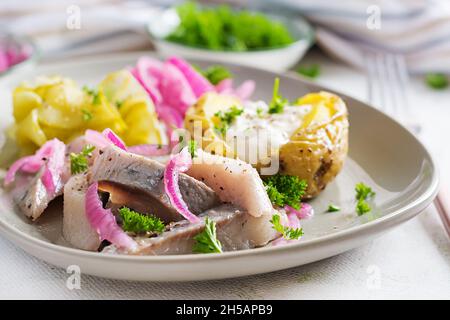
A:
<point x="442" y="202"/>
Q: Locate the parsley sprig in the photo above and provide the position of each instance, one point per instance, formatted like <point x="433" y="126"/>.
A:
<point x="79" y="162"/>
<point x="278" y="102"/>
<point x="285" y="190"/>
<point x="333" y="208"/>
<point x="226" y="118"/>
<point x="310" y="71"/>
<point x="363" y="193"/>
<point x="216" y="73"/>
<point x="436" y="81"/>
<point x="135" y="222"/>
<point x="287" y="232"/>
<point x="206" y="241"/>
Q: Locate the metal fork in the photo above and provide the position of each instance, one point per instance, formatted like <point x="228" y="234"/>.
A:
<point x="388" y="85"/>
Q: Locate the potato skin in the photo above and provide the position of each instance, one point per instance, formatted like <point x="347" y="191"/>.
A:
<point x="317" y="151"/>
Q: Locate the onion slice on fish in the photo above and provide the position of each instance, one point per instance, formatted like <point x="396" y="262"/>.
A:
<point x="103" y="221"/>
<point x="108" y="137"/>
<point x="114" y="138"/>
<point x="150" y="150"/>
<point x="96" y="139"/>
<point x="51" y="156"/>
<point x="180" y="162"/>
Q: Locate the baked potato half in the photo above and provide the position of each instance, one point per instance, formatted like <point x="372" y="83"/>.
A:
<point x="316" y="134"/>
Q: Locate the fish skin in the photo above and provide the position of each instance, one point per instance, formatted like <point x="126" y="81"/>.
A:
<point x="236" y="230"/>
<point x="140" y="174"/>
<point x="76" y="227"/>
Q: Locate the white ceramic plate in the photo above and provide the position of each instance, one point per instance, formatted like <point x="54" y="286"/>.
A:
<point x="276" y="59"/>
<point x="382" y="154"/>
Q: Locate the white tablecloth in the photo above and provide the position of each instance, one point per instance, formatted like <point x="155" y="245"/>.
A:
<point x="412" y="261"/>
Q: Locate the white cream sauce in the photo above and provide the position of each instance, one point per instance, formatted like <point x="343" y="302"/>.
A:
<point x="256" y="134"/>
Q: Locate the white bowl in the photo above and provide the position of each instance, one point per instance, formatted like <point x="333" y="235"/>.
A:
<point x="277" y="59"/>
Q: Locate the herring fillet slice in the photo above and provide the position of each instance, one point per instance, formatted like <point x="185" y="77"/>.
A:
<point x="234" y="181"/>
<point x="144" y="175"/>
<point x="31" y="196"/>
<point x="76" y="228"/>
<point x="236" y="230"/>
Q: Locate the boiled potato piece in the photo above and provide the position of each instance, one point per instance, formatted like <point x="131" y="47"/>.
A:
<point x="55" y="107"/>
<point x="202" y="115"/>
<point x="317" y="150"/>
<point x="314" y="150"/>
<point x="135" y="107"/>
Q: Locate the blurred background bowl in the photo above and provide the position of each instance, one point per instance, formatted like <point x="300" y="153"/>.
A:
<point x="17" y="53"/>
<point x="278" y="59"/>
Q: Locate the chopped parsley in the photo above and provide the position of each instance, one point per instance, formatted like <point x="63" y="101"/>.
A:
<point x="436" y="80"/>
<point x="192" y="148"/>
<point x="278" y="102"/>
<point x="224" y="28"/>
<point x="333" y="208"/>
<point x="285" y="190"/>
<point x="216" y="73"/>
<point x="206" y="241"/>
<point x="363" y="193"/>
<point x="287" y="232"/>
<point x="362" y="207"/>
<point x="93" y="93"/>
<point x="226" y="118"/>
<point x="79" y="162"/>
<point x="312" y="71"/>
<point x="135" y="222"/>
<point x="259" y="111"/>
<point x="87" y="115"/>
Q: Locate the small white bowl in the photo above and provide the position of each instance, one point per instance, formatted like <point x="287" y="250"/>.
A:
<point x="277" y="59"/>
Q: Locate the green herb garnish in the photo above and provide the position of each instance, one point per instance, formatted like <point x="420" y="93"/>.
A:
<point x="79" y="162"/>
<point x="216" y="73"/>
<point x="362" y="207"/>
<point x="227" y="118"/>
<point x="333" y="208"/>
<point x="285" y="190"/>
<point x="206" y="241"/>
<point x="278" y="102"/>
<point x="135" y="222"/>
<point x="363" y="193"/>
<point x="93" y="93"/>
<point x="436" y="80"/>
<point x="87" y="115"/>
<point x="312" y="71"/>
<point x="192" y="148"/>
<point x="223" y="28"/>
<point x="287" y="232"/>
